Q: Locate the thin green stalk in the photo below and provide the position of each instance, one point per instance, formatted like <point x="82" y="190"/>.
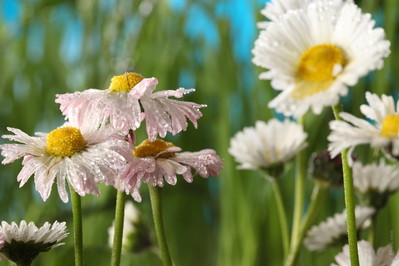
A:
<point x="118" y="228"/>
<point x="155" y="195"/>
<point x="281" y="215"/>
<point x="317" y="198"/>
<point x="349" y="200"/>
<point x="299" y="194"/>
<point x="77" y="227"/>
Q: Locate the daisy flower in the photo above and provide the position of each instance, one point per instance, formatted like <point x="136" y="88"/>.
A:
<point x="21" y="244"/>
<point x="380" y="178"/>
<point x="130" y="99"/>
<point x="334" y="229"/>
<point x="267" y="144"/>
<point x="313" y="54"/>
<point x="154" y="162"/>
<point x="381" y="133"/>
<point x="368" y="257"/>
<point x="81" y="154"/>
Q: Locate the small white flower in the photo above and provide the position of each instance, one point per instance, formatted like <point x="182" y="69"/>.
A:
<point x="130" y="219"/>
<point x="21" y="244"/>
<point x="314" y="53"/>
<point x="81" y="154"/>
<point x="367" y="256"/>
<point x="383" y="133"/>
<point x="334" y="228"/>
<point x="267" y="144"/>
<point x="380" y="177"/>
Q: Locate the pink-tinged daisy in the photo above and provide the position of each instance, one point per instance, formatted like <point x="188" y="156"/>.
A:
<point x="21" y="244"/>
<point x="267" y="144"/>
<point x="314" y="53"/>
<point x="334" y="229"/>
<point x="367" y="256"/>
<point x="154" y="162"/>
<point x="129" y="99"/>
<point x="81" y="154"/>
<point x="382" y="133"/>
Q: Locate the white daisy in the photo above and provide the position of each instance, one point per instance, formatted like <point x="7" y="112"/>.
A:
<point x="267" y="144"/>
<point x="334" y="228"/>
<point x="21" y="244"/>
<point x="380" y="178"/>
<point x="130" y="99"/>
<point x="81" y="154"/>
<point x="367" y="256"/>
<point x="313" y="54"/>
<point x="382" y="133"/>
<point x="154" y="162"/>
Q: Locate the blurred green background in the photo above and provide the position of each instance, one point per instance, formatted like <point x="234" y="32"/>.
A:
<point x="58" y="46"/>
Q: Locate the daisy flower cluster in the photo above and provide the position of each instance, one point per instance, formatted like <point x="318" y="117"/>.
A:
<point x="97" y="145"/>
<point x="313" y="52"/>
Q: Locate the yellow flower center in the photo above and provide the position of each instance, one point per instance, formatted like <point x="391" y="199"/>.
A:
<point x="125" y="82"/>
<point x="317" y="69"/>
<point x="318" y="62"/>
<point x="148" y="149"/>
<point x="390" y="126"/>
<point x="65" y="141"/>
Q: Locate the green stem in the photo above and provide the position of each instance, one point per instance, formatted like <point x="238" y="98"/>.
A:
<point x="317" y="198"/>
<point x="118" y="228"/>
<point x="77" y="227"/>
<point x="349" y="200"/>
<point x="299" y="194"/>
<point x="281" y="215"/>
<point x="155" y="195"/>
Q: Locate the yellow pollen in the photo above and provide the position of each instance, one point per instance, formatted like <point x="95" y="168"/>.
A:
<point x="148" y="149"/>
<point x="125" y="82"/>
<point x="390" y="126"/>
<point x="65" y="141"/>
<point x="318" y="62"/>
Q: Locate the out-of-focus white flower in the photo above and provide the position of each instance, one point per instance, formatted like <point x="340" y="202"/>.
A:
<point x="129" y="100"/>
<point x="154" y="162"/>
<point x="21" y="244"/>
<point x="267" y="144"/>
<point x="382" y="133"/>
<point x="367" y="256"/>
<point x="380" y="178"/>
<point x="314" y="53"/>
<point x="81" y="153"/>
<point x="131" y="218"/>
<point x="334" y="228"/>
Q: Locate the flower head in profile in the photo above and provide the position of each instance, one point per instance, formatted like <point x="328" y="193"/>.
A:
<point x="333" y="230"/>
<point x="368" y="257"/>
<point x="21" y="244"/>
<point x="314" y="53"/>
<point x="129" y="100"/>
<point x="382" y="133"/>
<point x="267" y="144"/>
<point x="375" y="182"/>
<point x="81" y="154"/>
<point x="154" y="162"/>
